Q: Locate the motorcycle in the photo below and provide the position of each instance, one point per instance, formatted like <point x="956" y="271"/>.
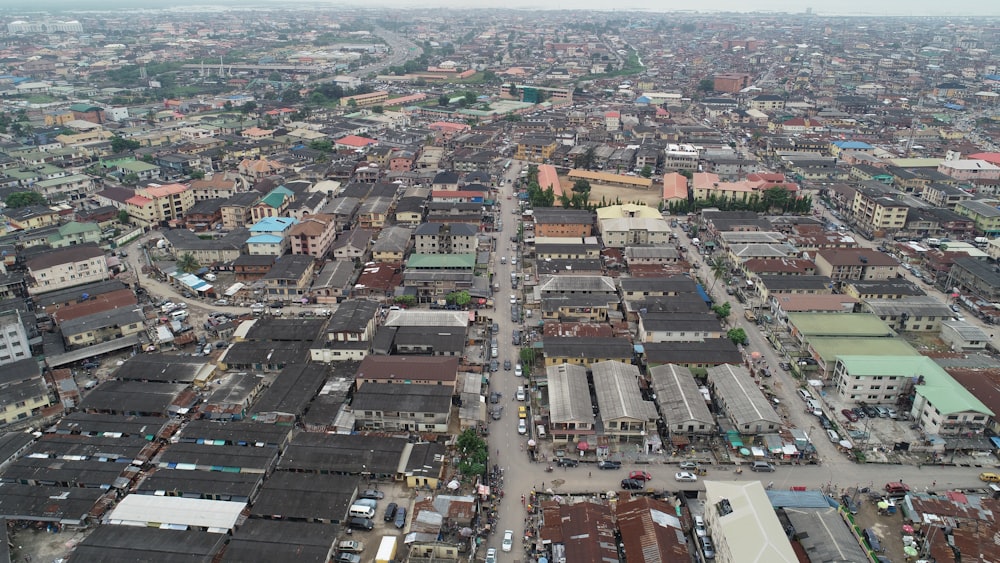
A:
<point x="548" y="469"/>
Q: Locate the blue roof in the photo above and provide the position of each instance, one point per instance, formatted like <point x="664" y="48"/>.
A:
<point x="852" y="145"/>
<point x="273" y="224"/>
<point x="954" y="107"/>
<point x="264" y="239"/>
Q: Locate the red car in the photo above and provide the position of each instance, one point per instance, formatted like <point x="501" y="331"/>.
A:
<point x="849" y="415"/>
<point x="640" y="476"/>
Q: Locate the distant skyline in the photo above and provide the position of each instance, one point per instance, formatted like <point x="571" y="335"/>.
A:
<point x="919" y="8"/>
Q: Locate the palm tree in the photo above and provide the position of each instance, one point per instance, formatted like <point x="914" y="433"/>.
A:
<point x="719" y="268"/>
<point x="187" y="263"/>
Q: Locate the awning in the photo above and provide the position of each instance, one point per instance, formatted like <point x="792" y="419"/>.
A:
<point x="234" y="289"/>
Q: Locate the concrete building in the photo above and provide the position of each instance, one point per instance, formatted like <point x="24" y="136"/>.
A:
<point x="742" y="401"/>
<point x="155" y="205"/>
<point x="66" y="267"/>
<point x="625" y="414"/>
<point x="682" y="406"/>
<point x="23" y="393"/>
<point x="741" y="519"/>
<point x="571" y="418"/>
<point x="14" y="345"/>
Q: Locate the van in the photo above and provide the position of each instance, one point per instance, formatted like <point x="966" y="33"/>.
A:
<point x="814" y="405"/>
<point x="179" y="315"/>
<point x="762" y="466"/>
<point x="359" y="511"/>
<point x="210" y="277"/>
<point x="806" y="395"/>
<point x="834" y="437"/>
<point x="540" y="431"/>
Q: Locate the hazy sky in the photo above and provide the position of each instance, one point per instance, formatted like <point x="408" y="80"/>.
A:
<point x="969" y="8"/>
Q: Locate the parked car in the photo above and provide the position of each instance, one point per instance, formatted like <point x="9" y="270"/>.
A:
<point x="859" y="412"/>
<point x="849" y="415"/>
<point x="689" y="466"/>
<point x="897" y="488"/>
<point x="497" y="412"/>
<point x="494" y="365"/>
<point x="518" y="372"/>
<point x="633" y="484"/>
<point x="762" y="466"/>
<point x="685" y="477"/>
<point x="372" y="494"/>
<point x="707" y="547"/>
<point x="358" y="523"/>
<point x="699" y="527"/>
<point x="491" y="555"/>
<point x="522" y="426"/>
<point x="390" y="512"/>
<point x="566" y="462"/>
<point x="609" y="464"/>
<point x="400" y="518"/>
<point x="494" y="397"/>
<point x="345" y="557"/>
<point x="849" y="504"/>
<point x="506" y="365"/>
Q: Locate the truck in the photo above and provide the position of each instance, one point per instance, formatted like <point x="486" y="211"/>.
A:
<point x="981" y="241"/>
<point x="386" y="550"/>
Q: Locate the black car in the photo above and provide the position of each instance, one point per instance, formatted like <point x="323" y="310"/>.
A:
<point x="401" y="518"/>
<point x="390" y="512"/>
<point x="567" y="462"/>
<point x="872" y="412"/>
<point x="361" y="523"/>
<point x="494" y="397"/>
<point x="609" y="464"/>
<point x="506" y="365"/>
<point x="849" y="504"/>
<point x="494" y="365"/>
<point x="496" y="328"/>
<point x="859" y="412"/>
<point x="633" y="484"/>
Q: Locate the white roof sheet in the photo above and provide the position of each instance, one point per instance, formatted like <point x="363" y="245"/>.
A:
<point x="143" y="510"/>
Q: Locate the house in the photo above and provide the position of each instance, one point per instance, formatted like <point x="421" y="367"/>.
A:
<point x="910" y="314"/>
<point x="214" y="187"/>
<point x="74" y="233"/>
<point x="409" y="370"/>
<point x="349" y="333"/>
<point x="558" y="222"/>
<point x="585" y="350"/>
<point x="422" y="408"/>
<point x="392" y="244"/>
<point x="313" y="235"/>
<point x="625" y="414"/>
<point x="102" y="327"/>
<point x="254" y="170"/>
<point x="289" y="277"/>
<point x="445" y="238"/>
<point x="23" y="392"/>
<point x="855" y="264"/>
<point x="746" y="407"/>
<point x="236" y="210"/>
<point x="252" y="267"/>
<point x="31" y="217"/>
<point x="333" y="283"/>
<point x="678" y="327"/>
<point x="571" y="418"/>
<point x="269" y="235"/>
<point x="632" y="225"/>
<point x="66" y="267"/>
<point x="207" y="251"/>
<point x="740" y="517"/>
<point x="352" y="244"/>
<point x="273" y="204"/>
<point x="535" y="149"/>
<point x="204" y="215"/>
<point x="685" y="412"/>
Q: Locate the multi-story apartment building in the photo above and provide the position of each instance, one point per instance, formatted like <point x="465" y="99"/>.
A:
<point x="13" y="338"/>
<point x="155" y="205"/>
<point x="314" y="235"/>
<point x="535" y="149"/>
<point x="66" y="267"/>
<point x="875" y="212"/>
<point x="445" y="238"/>
<point x="23" y="393"/>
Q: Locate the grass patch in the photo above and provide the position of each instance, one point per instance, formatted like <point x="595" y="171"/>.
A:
<point x="41" y="99"/>
<point x="632" y="66"/>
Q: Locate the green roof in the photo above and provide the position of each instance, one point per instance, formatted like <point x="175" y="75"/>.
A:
<point x="75" y="228"/>
<point x="442" y="261"/>
<point x="137" y="166"/>
<point x="940" y="389"/>
<point x="830" y="348"/>
<point x="839" y="324"/>
<point x="276" y="197"/>
<point x="84" y="108"/>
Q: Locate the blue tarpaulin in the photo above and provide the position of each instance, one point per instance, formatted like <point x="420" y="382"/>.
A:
<point x="704" y="296"/>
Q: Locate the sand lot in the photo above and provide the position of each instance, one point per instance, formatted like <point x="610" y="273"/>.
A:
<point x="650" y="197"/>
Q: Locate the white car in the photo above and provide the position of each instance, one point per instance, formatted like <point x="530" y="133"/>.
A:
<point x="522" y="428"/>
<point x="513" y="299"/>
<point x="685" y="476"/>
<point x="508" y="540"/>
<point x="517" y="370"/>
<point x="491" y="555"/>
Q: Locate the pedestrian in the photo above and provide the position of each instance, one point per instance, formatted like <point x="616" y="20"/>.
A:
<point x="589" y="474"/>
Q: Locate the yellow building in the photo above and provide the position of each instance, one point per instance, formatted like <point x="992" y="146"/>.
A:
<point x="363" y="100"/>
<point x="155" y="204"/>
<point x="535" y="149"/>
<point x="23" y="393"/>
<point x="610" y="179"/>
<point x="876" y="212"/>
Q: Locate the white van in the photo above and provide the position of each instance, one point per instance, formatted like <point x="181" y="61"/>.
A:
<point x="179" y="315"/>
<point x="806" y="395"/>
<point x="834" y="437"/>
<point x="360" y="511"/>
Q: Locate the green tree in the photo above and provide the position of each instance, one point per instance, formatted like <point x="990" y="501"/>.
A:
<point x="321" y="145"/>
<point x="472" y="452"/>
<point x="706" y="85"/>
<point x="187" y="263"/>
<point x="407" y="300"/>
<point x="123" y="217"/>
<point x="722" y="311"/>
<point x="647" y="171"/>
<point x="585" y="159"/>
<point x="24" y="199"/>
<point x="738" y="336"/>
<point x="527" y="356"/>
<point x="291" y="96"/>
<point x="119" y="144"/>
<point x="719" y="268"/>
<point x="460" y="298"/>
<point x="378" y="109"/>
<point x="130" y="179"/>
<point x="197" y="174"/>
<point x="443" y="100"/>
<point x="581" y="186"/>
<point x="470" y="98"/>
